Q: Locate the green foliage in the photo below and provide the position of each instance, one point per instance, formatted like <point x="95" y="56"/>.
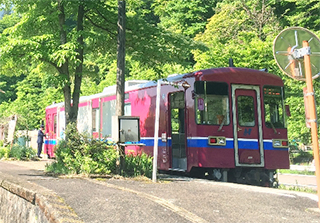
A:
<point x="138" y="165"/>
<point x="301" y="172"/>
<point x="187" y="17"/>
<point x="80" y="154"/>
<point x="22" y="152"/>
<point x="298" y="188"/>
<point x="234" y="32"/>
<point x="301" y="157"/>
<point x="304" y="13"/>
<point x="4" y="152"/>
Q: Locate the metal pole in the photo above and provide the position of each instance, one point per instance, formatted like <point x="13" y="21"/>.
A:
<point x="156" y="133"/>
<point x="313" y="117"/>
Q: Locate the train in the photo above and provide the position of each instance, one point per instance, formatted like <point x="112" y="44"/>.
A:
<point x="229" y="124"/>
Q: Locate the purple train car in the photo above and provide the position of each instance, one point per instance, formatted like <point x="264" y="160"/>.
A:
<point x="228" y="125"/>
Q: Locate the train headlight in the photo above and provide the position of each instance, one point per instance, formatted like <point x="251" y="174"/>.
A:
<point x="280" y="143"/>
<point x="217" y="140"/>
<point x="276" y="143"/>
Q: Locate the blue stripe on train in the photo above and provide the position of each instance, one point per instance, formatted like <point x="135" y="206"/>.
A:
<point x="50" y="142"/>
<point x="242" y="144"/>
<point x="246" y="144"/>
<point x="204" y="143"/>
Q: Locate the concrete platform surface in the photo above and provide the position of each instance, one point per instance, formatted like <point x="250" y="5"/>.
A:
<point x="171" y="199"/>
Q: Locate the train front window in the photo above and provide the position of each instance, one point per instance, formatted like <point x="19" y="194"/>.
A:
<point x="211" y="102"/>
<point x="245" y="110"/>
<point x="273" y="107"/>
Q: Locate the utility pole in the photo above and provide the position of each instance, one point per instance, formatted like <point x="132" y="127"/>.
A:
<point x="120" y="71"/>
<point x="293" y="49"/>
<point x="313" y="116"/>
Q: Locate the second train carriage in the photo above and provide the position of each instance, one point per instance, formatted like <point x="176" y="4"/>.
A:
<point x="229" y="125"/>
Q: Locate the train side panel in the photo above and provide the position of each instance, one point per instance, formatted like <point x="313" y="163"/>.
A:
<point x="229" y="137"/>
<point x="50" y="130"/>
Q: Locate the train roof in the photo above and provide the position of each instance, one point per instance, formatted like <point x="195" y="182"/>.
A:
<point x="236" y="73"/>
<point x="131" y="85"/>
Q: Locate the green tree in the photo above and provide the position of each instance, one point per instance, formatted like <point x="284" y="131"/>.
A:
<point x="8" y="85"/>
<point x="304" y="13"/>
<point x="185" y="17"/>
<point x="41" y="37"/>
<point x="67" y="37"/>
<point x="234" y="32"/>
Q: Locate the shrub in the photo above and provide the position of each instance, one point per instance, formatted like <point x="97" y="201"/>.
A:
<point x="137" y="165"/>
<point x="301" y="157"/>
<point x="80" y="154"/>
<point x="22" y="152"/>
<point x="4" y="152"/>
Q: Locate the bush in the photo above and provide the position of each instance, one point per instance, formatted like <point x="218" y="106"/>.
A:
<point x="301" y="157"/>
<point x="21" y="152"/>
<point x="138" y="165"/>
<point x="80" y="154"/>
<point x="4" y="152"/>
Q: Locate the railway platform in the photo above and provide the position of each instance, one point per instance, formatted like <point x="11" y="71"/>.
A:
<point x="171" y="199"/>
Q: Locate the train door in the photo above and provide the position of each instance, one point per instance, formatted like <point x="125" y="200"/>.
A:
<point x="177" y="130"/>
<point x="247" y="126"/>
<point x="51" y="131"/>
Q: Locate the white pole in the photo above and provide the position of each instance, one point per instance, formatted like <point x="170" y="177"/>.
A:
<point x="156" y="133"/>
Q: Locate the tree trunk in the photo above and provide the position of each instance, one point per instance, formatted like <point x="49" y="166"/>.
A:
<point x="120" y="74"/>
<point x="64" y="69"/>
<point x="71" y="103"/>
<point x="78" y="74"/>
<point x="121" y="58"/>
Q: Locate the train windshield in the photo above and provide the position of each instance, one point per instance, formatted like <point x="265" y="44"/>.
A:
<point x="211" y="102"/>
<point x="274" y="115"/>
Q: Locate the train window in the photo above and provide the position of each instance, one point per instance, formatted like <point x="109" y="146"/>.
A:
<point x="273" y="107"/>
<point x="55" y="124"/>
<point x="177" y="120"/>
<point x="95" y="119"/>
<point x="127" y="109"/>
<point x="212" y="103"/>
<point x="245" y="105"/>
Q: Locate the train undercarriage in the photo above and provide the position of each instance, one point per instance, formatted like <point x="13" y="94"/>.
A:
<point x="257" y="176"/>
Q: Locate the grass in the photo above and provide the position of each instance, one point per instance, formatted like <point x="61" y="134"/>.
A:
<point x="297" y="188"/>
<point x="301" y="172"/>
<point x="297" y="157"/>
